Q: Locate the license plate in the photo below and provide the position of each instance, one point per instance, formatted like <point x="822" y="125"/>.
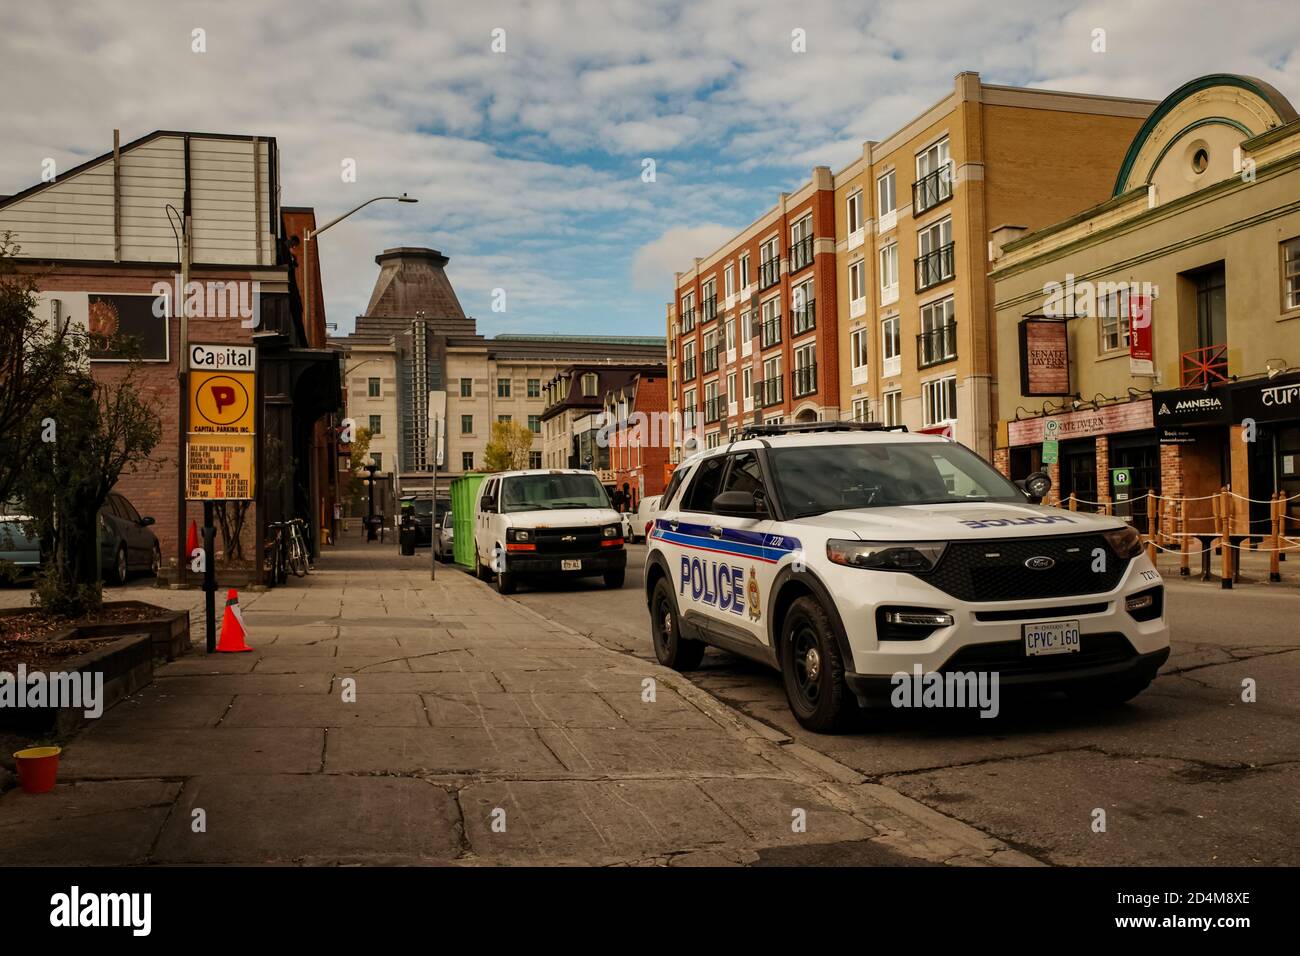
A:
<point x="1051" y="637"/>
<point x="570" y="565"/>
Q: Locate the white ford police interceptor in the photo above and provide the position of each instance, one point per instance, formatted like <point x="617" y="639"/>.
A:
<point x="844" y="554"/>
<point x="546" y="523"/>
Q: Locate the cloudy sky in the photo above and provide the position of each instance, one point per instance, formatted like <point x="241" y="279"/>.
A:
<point x="528" y="163"/>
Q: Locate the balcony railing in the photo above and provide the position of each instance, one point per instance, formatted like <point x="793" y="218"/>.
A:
<point x="713" y="409"/>
<point x="1204" y="367"/>
<point x="805" y="319"/>
<point x="934" y="268"/>
<point x="688" y="320"/>
<point x="929" y="191"/>
<point x="710" y="357"/>
<point x="801" y="254"/>
<point x="936" y="346"/>
<point x="689" y="418"/>
<point x="770" y="391"/>
<point x="709" y="309"/>
<point x="688" y="370"/>
<point x="769" y="273"/>
<point x="805" y="380"/>
<point x="770" y="332"/>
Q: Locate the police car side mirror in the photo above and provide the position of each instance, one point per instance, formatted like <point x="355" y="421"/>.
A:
<point x="739" y="504"/>
<point x="1037" y="486"/>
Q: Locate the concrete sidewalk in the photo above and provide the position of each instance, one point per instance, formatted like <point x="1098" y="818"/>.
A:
<point x="481" y="733"/>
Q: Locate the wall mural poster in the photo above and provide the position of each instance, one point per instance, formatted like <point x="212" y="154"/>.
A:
<point x="125" y="326"/>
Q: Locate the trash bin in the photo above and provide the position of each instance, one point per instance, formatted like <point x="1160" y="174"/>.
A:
<point x="406" y="538"/>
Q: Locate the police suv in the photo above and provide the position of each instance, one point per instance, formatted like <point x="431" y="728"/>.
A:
<point x="847" y="554"/>
<point x="546" y="523"/>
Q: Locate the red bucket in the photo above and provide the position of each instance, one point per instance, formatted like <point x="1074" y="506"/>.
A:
<point x="38" y="768"/>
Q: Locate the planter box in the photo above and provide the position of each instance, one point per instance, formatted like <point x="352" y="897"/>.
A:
<point x="127" y="665"/>
<point x="169" y="630"/>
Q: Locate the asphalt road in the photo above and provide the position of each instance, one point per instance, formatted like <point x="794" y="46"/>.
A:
<point x="1187" y="773"/>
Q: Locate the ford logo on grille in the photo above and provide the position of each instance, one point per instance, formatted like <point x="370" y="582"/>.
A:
<point x="1040" y="562"/>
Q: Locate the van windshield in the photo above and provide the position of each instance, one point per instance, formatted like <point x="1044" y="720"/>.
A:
<point x="814" y="479"/>
<point x="552" y="491"/>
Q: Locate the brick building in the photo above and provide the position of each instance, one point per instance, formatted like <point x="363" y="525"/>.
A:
<point x="634" y="414"/>
<point x="101" y="237"/>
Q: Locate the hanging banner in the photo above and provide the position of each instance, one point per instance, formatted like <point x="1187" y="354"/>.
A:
<point x="1141" y="328"/>
<point x="1044" y="358"/>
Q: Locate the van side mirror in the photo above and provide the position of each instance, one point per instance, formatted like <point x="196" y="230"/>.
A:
<point x="739" y="504"/>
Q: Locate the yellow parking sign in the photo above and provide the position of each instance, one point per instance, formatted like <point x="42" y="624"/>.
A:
<point x="221" y="403"/>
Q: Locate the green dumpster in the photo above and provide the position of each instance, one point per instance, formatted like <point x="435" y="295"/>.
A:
<point x="464" y="492"/>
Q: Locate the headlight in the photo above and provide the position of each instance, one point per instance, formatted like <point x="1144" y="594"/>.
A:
<point x="886" y="555"/>
<point x="519" y="534"/>
<point x="612" y="531"/>
<point x="1125" y="541"/>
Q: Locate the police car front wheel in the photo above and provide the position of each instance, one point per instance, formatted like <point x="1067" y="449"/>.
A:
<point x="813" y="670"/>
<point x="671" y="648"/>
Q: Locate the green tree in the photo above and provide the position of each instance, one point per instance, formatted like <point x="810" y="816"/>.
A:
<point x="357" y="455"/>
<point x="509" y="447"/>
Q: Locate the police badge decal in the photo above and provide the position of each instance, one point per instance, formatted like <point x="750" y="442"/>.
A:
<point x="752" y="596"/>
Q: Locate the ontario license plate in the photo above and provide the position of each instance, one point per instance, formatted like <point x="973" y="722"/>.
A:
<point x="1051" y="637"/>
<point x="567" y="565"/>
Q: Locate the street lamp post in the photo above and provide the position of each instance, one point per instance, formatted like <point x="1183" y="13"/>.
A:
<point x="371" y="468"/>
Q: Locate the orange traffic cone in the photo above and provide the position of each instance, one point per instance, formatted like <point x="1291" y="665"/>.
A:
<point x="191" y="539"/>
<point x="232" y="627"/>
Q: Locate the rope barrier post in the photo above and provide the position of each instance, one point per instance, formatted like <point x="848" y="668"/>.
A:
<point x="1275" y="516"/>
<point x="1184" y="559"/>
<point x="1153" y="525"/>
<point x="1225" y="539"/>
<point x="1074" y="502"/>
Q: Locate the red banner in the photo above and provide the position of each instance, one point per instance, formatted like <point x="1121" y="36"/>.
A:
<point x="1141" y="334"/>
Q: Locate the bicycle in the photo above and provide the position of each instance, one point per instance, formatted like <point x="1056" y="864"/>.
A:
<point x="297" y="557"/>
<point x="278" y="553"/>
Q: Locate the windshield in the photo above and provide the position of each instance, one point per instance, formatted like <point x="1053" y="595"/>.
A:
<point x="420" y="506"/>
<point x="552" y="491"/>
<point x="811" y="480"/>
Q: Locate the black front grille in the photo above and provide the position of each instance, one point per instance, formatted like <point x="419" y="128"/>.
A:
<point x="995" y="570"/>
<point x="567" y="540"/>
<point x="1008" y="658"/>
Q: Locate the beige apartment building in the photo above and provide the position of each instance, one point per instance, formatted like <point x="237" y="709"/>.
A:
<point x="913" y="216"/>
<point x="1202" y="226"/>
<point x="371" y="381"/>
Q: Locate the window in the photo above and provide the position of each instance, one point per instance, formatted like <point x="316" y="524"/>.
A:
<point x="886" y="196"/>
<point x="855" y="212"/>
<point x="769" y="264"/>
<point x="889" y="271"/>
<point x="535" y="424"/>
<point x="712" y="407"/>
<point x="709" y="300"/>
<point x="503" y="388"/>
<point x="890" y="349"/>
<point x="729" y="281"/>
<point x="731" y="386"/>
<point x="1291" y="274"/>
<point x="892" y="411"/>
<point x="534" y="459"/>
<point x="467" y="461"/>
<point x="710" y="351"/>
<point x="938" y="337"/>
<point x="467" y="424"/>
<point x="801" y="244"/>
<point x="747" y="383"/>
<point x="1112" y="320"/>
<point x="939" y="399"/>
<point x="804" y="317"/>
<point x="747" y="328"/>
<point x="729" y="334"/>
<point x="934" y="263"/>
<point x="377" y="458"/>
<point x="589" y="384"/>
<point x="857" y="280"/>
<point x="858" y="355"/>
<point x="534" y="388"/>
<point x="372" y="387"/>
<point x="504" y="419"/>
<point x="744" y="271"/>
<point x="805" y="370"/>
<point x="770" y="390"/>
<point x="745" y="474"/>
<point x="861" y="410"/>
<point x="688" y="312"/>
<point x="466" y="388"/>
<point x="933" y="177"/>
<point x="688" y="361"/>
<point x="689" y="408"/>
<point x="376" y="425"/>
<point x="674" y="483"/>
<point x="704" y="486"/>
<point x="771" y="322"/>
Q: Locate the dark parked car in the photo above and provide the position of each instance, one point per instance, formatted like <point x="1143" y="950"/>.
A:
<point x="421" y="512"/>
<point x="126" y="543"/>
<point x="20" y="553"/>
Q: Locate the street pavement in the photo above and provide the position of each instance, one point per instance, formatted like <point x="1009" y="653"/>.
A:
<point x="387" y="718"/>
<point x="1188" y="773"/>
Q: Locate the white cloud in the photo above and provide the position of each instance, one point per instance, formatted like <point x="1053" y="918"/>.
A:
<point x="655" y="263"/>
